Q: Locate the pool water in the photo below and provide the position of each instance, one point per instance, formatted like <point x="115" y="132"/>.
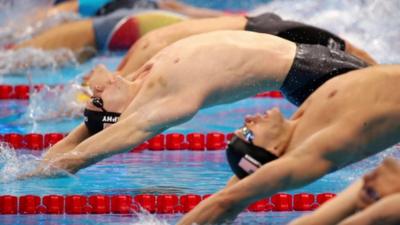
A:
<point x="184" y="172"/>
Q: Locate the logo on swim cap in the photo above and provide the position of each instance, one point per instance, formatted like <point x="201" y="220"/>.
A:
<point x="110" y="119"/>
<point x="95" y="121"/>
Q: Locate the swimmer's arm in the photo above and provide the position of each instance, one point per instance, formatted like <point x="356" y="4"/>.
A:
<point x="385" y="211"/>
<point x="150" y="44"/>
<point x="335" y="210"/>
<point x="68" y="143"/>
<point x="136" y="125"/>
<point x="280" y="175"/>
<point x="286" y="173"/>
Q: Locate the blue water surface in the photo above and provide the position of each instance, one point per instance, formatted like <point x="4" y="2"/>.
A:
<point x="183" y="172"/>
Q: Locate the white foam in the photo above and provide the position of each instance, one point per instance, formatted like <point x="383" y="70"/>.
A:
<point x="12" y="165"/>
<point x="21" y="20"/>
<point x="58" y="102"/>
<point x="18" y="61"/>
<point x="370" y="24"/>
<point x="145" y="218"/>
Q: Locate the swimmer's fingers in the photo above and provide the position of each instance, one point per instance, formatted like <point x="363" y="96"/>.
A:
<point x="68" y="163"/>
<point x="44" y="171"/>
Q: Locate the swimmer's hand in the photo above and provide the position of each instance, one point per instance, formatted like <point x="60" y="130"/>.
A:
<point x="69" y="162"/>
<point x="44" y="171"/>
<point x="65" y="165"/>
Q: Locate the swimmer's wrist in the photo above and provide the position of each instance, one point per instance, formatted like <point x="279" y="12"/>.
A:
<point x="72" y="161"/>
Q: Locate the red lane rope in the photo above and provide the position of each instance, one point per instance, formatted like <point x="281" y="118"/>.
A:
<point x="173" y="141"/>
<point x="21" y="92"/>
<point x="161" y="204"/>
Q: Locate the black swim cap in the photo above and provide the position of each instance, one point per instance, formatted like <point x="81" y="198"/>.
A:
<point x="245" y="158"/>
<point x="95" y="121"/>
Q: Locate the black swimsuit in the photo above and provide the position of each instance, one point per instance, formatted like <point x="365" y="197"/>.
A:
<point x="319" y="56"/>
<point x="270" y="23"/>
<point x="313" y="65"/>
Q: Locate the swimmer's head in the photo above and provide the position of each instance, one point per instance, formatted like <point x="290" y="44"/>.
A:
<point x="379" y="183"/>
<point x="97" y="117"/>
<point x="263" y="139"/>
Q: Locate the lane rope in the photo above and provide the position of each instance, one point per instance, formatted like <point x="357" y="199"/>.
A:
<point x="212" y="141"/>
<point x="160" y="204"/>
<point x="22" y="92"/>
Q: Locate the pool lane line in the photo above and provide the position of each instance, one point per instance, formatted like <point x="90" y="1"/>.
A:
<point x="196" y="141"/>
<point x="22" y="92"/>
<point x="159" y="204"/>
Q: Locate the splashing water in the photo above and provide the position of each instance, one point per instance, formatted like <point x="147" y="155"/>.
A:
<point x="145" y="218"/>
<point x="13" y="166"/>
<point x="10" y="35"/>
<point x="23" y="20"/>
<point x="14" y="12"/>
<point x="18" y="61"/>
<point x="372" y="25"/>
<point x="59" y="102"/>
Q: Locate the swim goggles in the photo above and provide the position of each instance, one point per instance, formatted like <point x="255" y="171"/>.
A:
<point x="98" y="102"/>
<point x="247" y="134"/>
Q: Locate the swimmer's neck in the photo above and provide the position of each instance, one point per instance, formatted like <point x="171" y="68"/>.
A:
<point x="279" y="146"/>
<point x="125" y="91"/>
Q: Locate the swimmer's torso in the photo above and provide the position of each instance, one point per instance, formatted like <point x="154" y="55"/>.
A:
<point x="366" y="102"/>
<point x="233" y="64"/>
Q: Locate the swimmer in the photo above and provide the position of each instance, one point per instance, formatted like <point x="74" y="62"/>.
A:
<point x="347" y="119"/>
<point x="67" y="11"/>
<point x="373" y="200"/>
<point x="117" y="31"/>
<point x="82" y="39"/>
<point x="117" y="27"/>
<point x="194" y="73"/>
<point x="268" y="23"/>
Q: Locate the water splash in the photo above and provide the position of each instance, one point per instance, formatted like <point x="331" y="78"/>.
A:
<point x="21" y="11"/>
<point x="58" y="102"/>
<point x="370" y="24"/>
<point x="22" y="20"/>
<point x="13" y="166"/>
<point x="145" y="218"/>
<point x="18" y="61"/>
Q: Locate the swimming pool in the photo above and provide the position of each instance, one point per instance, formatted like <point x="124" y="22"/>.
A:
<point x="152" y="172"/>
